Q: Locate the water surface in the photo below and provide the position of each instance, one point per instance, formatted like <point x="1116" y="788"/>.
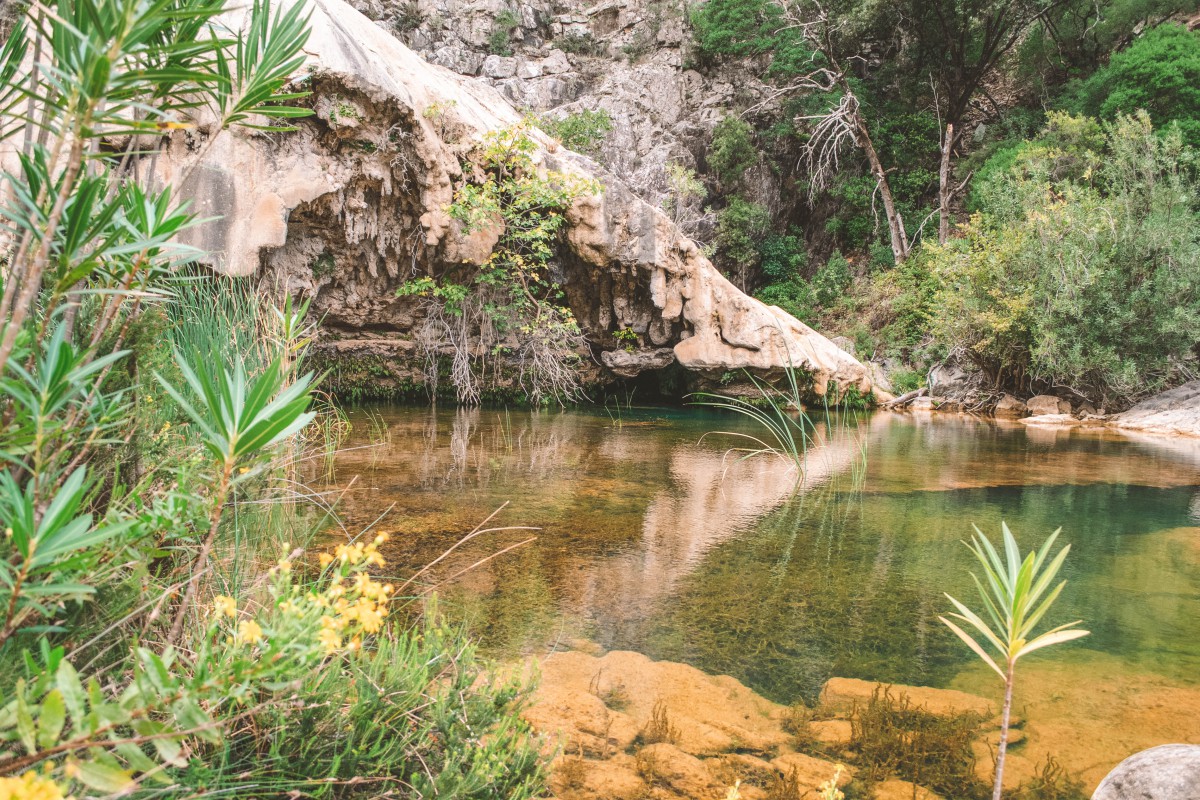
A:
<point x="653" y="537"/>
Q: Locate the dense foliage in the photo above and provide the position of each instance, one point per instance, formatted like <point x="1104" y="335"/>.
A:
<point x="1083" y="271"/>
<point x="163" y="631"/>
<point x="903" y="119"/>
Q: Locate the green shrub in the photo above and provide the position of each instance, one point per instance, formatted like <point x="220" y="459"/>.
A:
<point x="736" y="27"/>
<point x="831" y="280"/>
<point x="416" y="709"/>
<point x="1159" y="73"/>
<point x="741" y="226"/>
<point x="500" y="39"/>
<point x="581" y="131"/>
<point x="783" y="257"/>
<point x="794" y="296"/>
<point x="579" y="44"/>
<point x="1084" y="268"/>
<point x="732" y="151"/>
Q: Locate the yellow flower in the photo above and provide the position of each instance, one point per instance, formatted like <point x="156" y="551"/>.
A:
<point x="330" y="639"/>
<point x="325" y="559"/>
<point x="225" y="606"/>
<point x="249" y="632"/>
<point x="369" y="615"/>
<point x="30" y="786"/>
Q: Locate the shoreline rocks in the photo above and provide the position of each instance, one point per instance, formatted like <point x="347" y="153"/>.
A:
<point x="629" y="727"/>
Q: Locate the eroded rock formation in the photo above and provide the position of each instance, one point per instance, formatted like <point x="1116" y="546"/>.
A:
<point x="354" y="203"/>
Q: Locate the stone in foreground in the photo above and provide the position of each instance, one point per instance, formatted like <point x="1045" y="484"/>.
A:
<point x="1167" y="772"/>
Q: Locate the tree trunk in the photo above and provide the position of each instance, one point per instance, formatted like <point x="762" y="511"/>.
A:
<point x="899" y="238"/>
<point x="1004" y="718"/>
<point x="944" y="190"/>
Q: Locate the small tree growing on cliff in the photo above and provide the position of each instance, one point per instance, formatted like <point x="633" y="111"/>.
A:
<point x="1012" y="592"/>
<point x="513" y="304"/>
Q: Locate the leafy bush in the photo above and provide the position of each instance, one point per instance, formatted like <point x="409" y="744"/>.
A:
<point x="794" y="296"/>
<point x="500" y="39"/>
<point x="581" y="131"/>
<point x="732" y="151"/>
<point x="741" y="226"/>
<point x="579" y="44"/>
<point x="1158" y="73"/>
<point x="415" y="710"/>
<point x="783" y="257"/>
<point x="1084" y="269"/>
<point x="515" y="290"/>
<point x="736" y="27"/>
<point x="831" y="280"/>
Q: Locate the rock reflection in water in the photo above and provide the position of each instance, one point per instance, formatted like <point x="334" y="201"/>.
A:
<point x="653" y="539"/>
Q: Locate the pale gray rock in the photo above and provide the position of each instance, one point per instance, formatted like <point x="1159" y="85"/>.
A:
<point x="1174" y="412"/>
<point x="630" y="365"/>
<point x="845" y="343"/>
<point x="499" y="67"/>
<point x="1009" y="406"/>
<point x="1045" y="404"/>
<point x="1166" y="772"/>
<point x="950" y="379"/>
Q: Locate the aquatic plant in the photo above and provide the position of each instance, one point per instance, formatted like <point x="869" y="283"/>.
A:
<point x="779" y="412"/>
<point x="1013" y="601"/>
<point x="659" y="728"/>
<point x="894" y="738"/>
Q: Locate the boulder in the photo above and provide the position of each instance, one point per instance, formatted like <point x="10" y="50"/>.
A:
<point x="844" y="343"/>
<point x="950" y="379"/>
<point x="1044" y="404"/>
<point x="841" y="694"/>
<point x="879" y="378"/>
<point x="1167" y="772"/>
<point x="1174" y="412"/>
<point x="683" y="773"/>
<point x="709" y="714"/>
<point x="580" y="721"/>
<point x="582" y="779"/>
<point x="630" y="365"/>
<point x="1009" y="406"/>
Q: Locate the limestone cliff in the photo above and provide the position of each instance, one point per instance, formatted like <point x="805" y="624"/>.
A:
<point x="353" y="204"/>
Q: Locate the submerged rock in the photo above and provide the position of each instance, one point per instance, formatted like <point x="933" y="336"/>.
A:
<point x="841" y="694"/>
<point x="1167" y="772"/>
<point x="354" y="203"/>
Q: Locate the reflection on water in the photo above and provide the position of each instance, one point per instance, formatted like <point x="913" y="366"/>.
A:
<point x="654" y="539"/>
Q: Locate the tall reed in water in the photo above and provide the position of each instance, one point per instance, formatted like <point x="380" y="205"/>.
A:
<point x="786" y="429"/>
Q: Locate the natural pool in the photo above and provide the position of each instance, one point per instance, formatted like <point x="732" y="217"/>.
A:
<point x="652" y="538"/>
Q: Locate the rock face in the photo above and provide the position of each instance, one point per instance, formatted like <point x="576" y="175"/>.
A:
<point x="1175" y="412"/>
<point x="1167" y="772"/>
<point x="353" y="204"/>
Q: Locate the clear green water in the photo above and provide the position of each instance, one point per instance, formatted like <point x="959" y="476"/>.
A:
<point x="653" y="539"/>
